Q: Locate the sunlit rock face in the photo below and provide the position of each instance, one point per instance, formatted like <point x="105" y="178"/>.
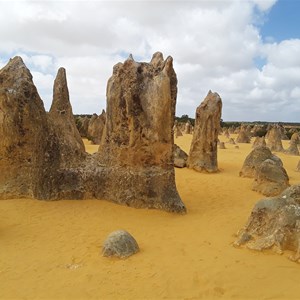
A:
<point x="137" y="144"/>
<point x="203" y="151"/>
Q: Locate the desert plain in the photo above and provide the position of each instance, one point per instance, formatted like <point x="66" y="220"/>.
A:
<point x="52" y="249"/>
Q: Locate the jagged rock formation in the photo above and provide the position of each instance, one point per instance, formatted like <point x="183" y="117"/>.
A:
<point x="257" y="156"/>
<point x="274" y="139"/>
<point x="120" y="243"/>
<point x="203" y="151"/>
<point x="243" y="136"/>
<point x="259" y="141"/>
<point x="293" y="148"/>
<point x="274" y="223"/>
<point x="96" y="127"/>
<point x="63" y="123"/>
<point x="23" y="128"/>
<point x="180" y="157"/>
<point x="42" y="157"/>
<point x="270" y="178"/>
<point x="137" y="144"/>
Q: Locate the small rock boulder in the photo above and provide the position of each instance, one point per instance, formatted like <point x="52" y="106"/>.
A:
<point x="121" y="244"/>
<point x="274" y="224"/>
<point x="180" y="157"/>
<point x="270" y="179"/>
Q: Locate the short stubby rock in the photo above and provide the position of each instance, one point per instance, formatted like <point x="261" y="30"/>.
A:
<point x="274" y="223"/>
<point x="121" y="244"/>
<point x="255" y="158"/>
<point x="270" y="178"/>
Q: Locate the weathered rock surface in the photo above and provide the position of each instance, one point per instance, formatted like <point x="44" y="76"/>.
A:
<point x="82" y="126"/>
<point x="203" y="151"/>
<point x="96" y="127"/>
<point x="259" y="141"/>
<point x="137" y="144"/>
<point x="222" y="145"/>
<point x="63" y="123"/>
<point x="293" y="148"/>
<point x="274" y="223"/>
<point x="23" y="127"/>
<point x="120" y="243"/>
<point x="243" y="136"/>
<point x="180" y="157"/>
<point x="270" y="178"/>
<point x="42" y="156"/>
<point x="254" y="160"/>
<point x="274" y="139"/>
<point x="295" y="138"/>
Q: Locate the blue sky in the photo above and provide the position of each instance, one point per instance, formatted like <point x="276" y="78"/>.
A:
<point x="282" y="21"/>
<point x="246" y="50"/>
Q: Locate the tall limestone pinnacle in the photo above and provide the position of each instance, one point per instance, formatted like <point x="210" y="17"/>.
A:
<point x="137" y="144"/>
<point x="203" y="151"/>
<point x="61" y="115"/>
<point x="23" y="123"/>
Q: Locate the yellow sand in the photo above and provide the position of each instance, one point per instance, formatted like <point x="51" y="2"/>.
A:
<point x="52" y="250"/>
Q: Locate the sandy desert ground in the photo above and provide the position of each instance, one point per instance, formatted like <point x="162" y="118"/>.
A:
<point x="52" y="250"/>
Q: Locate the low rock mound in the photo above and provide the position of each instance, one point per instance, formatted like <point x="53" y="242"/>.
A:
<point x="121" y="244"/>
<point x="254" y="160"/>
<point x="270" y="178"/>
<point x="180" y="157"/>
<point x="274" y="224"/>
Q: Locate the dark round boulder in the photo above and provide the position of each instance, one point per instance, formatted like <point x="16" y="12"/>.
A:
<point x="121" y="244"/>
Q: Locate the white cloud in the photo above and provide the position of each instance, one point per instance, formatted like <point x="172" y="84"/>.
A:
<point x="214" y="45"/>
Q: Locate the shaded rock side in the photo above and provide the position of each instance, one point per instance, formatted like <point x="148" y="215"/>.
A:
<point x="203" y="151"/>
<point x="243" y="137"/>
<point x="254" y="160"/>
<point x="23" y="128"/>
<point x="259" y="141"/>
<point x="274" y="223"/>
<point x="180" y="157"/>
<point x="71" y="147"/>
<point x="293" y="148"/>
<point x="137" y="144"/>
<point x="270" y="179"/>
<point x="96" y="127"/>
<point x="274" y="139"/>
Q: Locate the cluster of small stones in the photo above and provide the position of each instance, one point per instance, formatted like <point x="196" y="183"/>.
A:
<point x="42" y="155"/>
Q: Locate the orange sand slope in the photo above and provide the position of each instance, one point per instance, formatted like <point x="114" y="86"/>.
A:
<point x="52" y="250"/>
